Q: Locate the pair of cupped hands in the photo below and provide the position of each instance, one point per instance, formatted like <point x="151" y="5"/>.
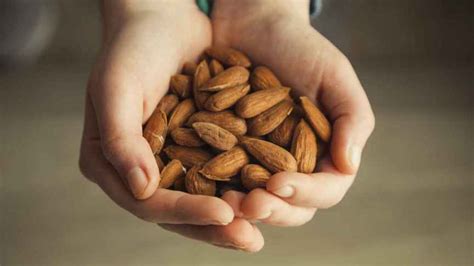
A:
<point x="145" y="42"/>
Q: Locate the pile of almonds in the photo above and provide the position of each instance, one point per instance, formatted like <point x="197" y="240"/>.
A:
<point x="227" y="126"/>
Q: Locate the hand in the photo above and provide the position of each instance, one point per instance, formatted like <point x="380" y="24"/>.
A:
<point x="144" y="44"/>
<point x="278" y="34"/>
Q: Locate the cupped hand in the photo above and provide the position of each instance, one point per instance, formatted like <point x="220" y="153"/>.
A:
<point x="278" y="34"/>
<point x="143" y="46"/>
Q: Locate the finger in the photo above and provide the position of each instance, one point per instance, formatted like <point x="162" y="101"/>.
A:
<point x="234" y="199"/>
<point x="320" y="190"/>
<point x="240" y="234"/>
<point x="260" y="205"/>
<point x="165" y="206"/>
<point x="348" y="107"/>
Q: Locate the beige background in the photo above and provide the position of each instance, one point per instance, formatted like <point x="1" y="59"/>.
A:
<point x="411" y="204"/>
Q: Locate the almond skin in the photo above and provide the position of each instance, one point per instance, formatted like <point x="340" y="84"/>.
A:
<point x="225" y="165"/>
<point x="188" y="156"/>
<point x="258" y="102"/>
<point x="172" y="171"/>
<point x="201" y="76"/>
<point x="263" y="78"/>
<point x="228" y="56"/>
<point x="269" y="120"/>
<point x="273" y="157"/>
<point x="230" y="77"/>
<point x="304" y="147"/>
<point x="196" y="184"/>
<point x="254" y="176"/>
<point x="189" y="68"/>
<point x="159" y="162"/>
<point x="215" y="67"/>
<point x="186" y="137"/>
<point x="215" y="135"/>
<point x="316" y="119"/>
<point x="181" y="114"/>
<point x="181" y="85"/>
<point x="226" y="98"/>
<point x="283" y="134"/>
<point x="225" y="119"/>
<point x="155" y="130"/>
<point x="168" y="103"/>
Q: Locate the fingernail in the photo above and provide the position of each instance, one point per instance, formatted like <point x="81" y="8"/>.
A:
<point x="137" y="181"/>
<point x="285" y="191"/>
<point x="354" y="156"/>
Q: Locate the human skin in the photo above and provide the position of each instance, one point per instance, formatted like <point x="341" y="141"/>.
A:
<point x="145" y="42"/>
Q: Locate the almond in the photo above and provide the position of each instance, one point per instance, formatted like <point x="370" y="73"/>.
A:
<point x="187" y="155"/>
<point x="225" y="165"/>
<point x="254" y="176"/>
<point x="226" y="98"/>
<point x="189" y="68"/>
<point x="181" y="114"/>
<point x="215" y="67"/>
<point x="258" y="102"/>
<point x="225" y="119"/>
<point x="215" y="135"/>
<point x="172" y="171"/>
<point x="168" y="103"/>
<point x="273" y="157"/>
<point x="179" y="184"/>
<point x="304" y="147"/>
<point x="263" y="78"/>
<point x="267" y="121"/>
<point x="283" y="134"/>
<point x="181" y="85"/>
<point x="316" y="119"/>
<point x="228" y="56"/>
<point x="201" y="76"/>
<point x="230" y="77"/>
<point x="159" y="162"/>
<point x="186" y="137"/>
<point x="196" y="184"/>
<point x="155" y="130"/>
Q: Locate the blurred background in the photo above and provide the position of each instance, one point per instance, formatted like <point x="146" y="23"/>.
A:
<point x="411" y="204"/>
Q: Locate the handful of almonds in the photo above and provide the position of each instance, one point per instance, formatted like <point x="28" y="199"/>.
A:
<point x="227" y="126"/>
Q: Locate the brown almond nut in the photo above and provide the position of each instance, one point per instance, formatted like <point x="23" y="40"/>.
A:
<point x="316" y="119"/>
<point x="172" y="171"/>
<point x="186" y="137"/>
<point x="283" y="134"/>
<point x="262" y="78"/>
<point x="189" y="68"/>
<point x="215" y="135"/>
<point x="215" y="67"/>
<point x="230" y="77"/>
<point x="196" y="184"/>
<point x="201" y="76"/>
<point x="181" y="114"/>
<point x="179" y="184"/>
<point x="188" y="156"/>
<point x="168" y="103"/>
<point x="267" y="121"/>
<point x="225" y="165"/>
<point x="258" y="102"/>
<point x="155" y="130"/>
<point x="304" y="147"/>
<point x="225" y="119"/>
<point x="226" y="98"/>
<point x="159" y="162"/>
<point x="228" y="56"/>
<point x="181" y="85"/>
<point x="254" y="176"/>
<point x="273" y="157"/>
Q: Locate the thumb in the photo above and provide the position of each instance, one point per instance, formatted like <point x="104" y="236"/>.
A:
<point x="119" y="106"/>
